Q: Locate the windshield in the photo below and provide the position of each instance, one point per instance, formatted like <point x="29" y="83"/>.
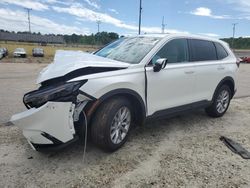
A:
<point x="19" y="50"/>
<point x="38" y="50"/>
<point x="130" y="50"/>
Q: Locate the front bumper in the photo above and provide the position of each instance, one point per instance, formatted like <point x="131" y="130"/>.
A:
<point x="50" y="125"/>
<point x="19" y="55"/>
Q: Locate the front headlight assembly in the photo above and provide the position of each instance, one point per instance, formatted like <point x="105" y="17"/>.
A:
<point x="64" y="93"/>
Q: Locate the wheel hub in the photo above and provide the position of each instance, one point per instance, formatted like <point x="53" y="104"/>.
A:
<point x="222" y="101"/>
<point x="120" y="125"/>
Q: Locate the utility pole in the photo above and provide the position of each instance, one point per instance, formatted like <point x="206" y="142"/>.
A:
<point x="98" y="25"/>
<point x="163" y="25"/>
<point x="140" y="10"/>
<point x="234" y="28"/>
<point x="28" y="10"/>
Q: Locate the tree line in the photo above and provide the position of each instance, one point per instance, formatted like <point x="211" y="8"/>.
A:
<point x="103" y="38"/>
<point x="238" y="43"/>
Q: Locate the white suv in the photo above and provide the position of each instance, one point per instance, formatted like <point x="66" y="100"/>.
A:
<point x="125" y="83"/>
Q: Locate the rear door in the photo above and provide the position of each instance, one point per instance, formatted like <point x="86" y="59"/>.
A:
<point x="209" y="70"/>
<point x="173" y="86"/>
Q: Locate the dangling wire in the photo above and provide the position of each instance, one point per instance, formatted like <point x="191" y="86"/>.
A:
<point x="85" y="139"/>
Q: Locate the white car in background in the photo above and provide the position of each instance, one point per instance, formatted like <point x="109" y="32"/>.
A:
<point x="125" y="83"/>
<point x="20" y="52"/>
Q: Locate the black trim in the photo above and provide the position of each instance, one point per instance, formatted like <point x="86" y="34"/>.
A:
<point x="87" y="95"/>
<point x="179" y="110"/>
<point x="66" y="98"/>
<point x="228" y="78"/>
<point x="51" y="138"/>
<point x="146" y="88"/>
<point x="80" y="72"/>
<point x="216" y="51"/>
<point x="54" y="147"/>
<point x="123" y="91"/>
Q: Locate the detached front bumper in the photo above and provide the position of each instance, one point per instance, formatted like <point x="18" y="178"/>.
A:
<point x="49" y="126"/>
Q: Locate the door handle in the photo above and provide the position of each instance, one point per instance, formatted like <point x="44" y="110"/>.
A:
<point x="189" y="72"/>
<point x="221" y="68"/>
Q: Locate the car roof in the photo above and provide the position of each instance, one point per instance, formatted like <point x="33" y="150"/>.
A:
<point x="181" y="35"/>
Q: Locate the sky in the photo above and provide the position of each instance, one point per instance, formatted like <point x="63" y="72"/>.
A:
<point x="205" y="17"/>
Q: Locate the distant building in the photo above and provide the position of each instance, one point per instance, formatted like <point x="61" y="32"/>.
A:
<point x="28" y="37"/>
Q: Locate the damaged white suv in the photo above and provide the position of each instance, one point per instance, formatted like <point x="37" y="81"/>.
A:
<point x="125" y="83"/>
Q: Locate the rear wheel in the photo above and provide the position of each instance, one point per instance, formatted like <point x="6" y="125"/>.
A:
<point x="220" y="103"/>
<point x="112" y="123"/>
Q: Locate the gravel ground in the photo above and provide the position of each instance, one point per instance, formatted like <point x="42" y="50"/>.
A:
<point x="183" y="151"/>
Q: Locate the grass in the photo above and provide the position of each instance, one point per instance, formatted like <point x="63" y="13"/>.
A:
<point x="49" y="50"/>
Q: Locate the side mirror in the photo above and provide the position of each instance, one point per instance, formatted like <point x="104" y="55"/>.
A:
<point x="160" y="64"/>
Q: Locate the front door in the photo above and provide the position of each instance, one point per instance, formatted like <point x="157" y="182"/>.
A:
<point x="172" y="86"/>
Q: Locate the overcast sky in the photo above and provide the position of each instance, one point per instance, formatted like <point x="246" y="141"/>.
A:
<point x="207" y="17"/>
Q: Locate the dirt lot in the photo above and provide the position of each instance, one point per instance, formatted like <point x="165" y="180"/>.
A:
<point x="184" y="151"/>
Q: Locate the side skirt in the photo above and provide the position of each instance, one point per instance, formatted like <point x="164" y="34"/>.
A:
<point x="178" y="110"/>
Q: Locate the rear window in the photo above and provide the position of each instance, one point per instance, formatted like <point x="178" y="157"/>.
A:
<point x="202" y="50"/>
<point x="221" y="52"/>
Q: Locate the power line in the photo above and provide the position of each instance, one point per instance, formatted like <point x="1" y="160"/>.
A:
<point x="98" y="25"/>
<point x="28" y="10"/>
<point x="140" y="10"/>
<point x="163" y="25"/>
<point x="234" y="28"/>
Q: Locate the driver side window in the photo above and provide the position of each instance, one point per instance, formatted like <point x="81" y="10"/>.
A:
<point x="175" y="51"/>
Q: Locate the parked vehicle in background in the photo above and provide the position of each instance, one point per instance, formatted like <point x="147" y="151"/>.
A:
<point x="20" y="52"/>
<point x="1" y="55"/>
<point x="125" y="83"/>
<point x="245" y="59"/>
<point x="4" y="51"/>
<point x="38" y="52"/>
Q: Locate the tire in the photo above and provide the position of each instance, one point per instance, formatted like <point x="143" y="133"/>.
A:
<point x="106" y="132"/>
<point x="221" y="102"/>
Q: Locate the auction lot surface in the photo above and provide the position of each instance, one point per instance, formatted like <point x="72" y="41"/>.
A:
<point x="181" y="151"/>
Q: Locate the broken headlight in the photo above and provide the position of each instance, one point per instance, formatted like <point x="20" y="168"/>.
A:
<point x="63" y="93"/>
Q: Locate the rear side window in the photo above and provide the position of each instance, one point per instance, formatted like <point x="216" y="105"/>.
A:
<point x="176" y="51"/>
<point x="202" y="50"/>
<point x="221" y="52"/>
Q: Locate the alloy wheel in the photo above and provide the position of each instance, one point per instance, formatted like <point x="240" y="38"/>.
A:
<point x="222" y="101"/>
<point x="120" y="125"/>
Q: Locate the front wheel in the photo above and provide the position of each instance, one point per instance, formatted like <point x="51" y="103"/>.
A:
<point x="112" y="123"/>
<point x="220" y="103"/>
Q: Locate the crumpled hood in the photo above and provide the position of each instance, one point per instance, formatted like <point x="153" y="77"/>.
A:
<point x="69" y="61"/>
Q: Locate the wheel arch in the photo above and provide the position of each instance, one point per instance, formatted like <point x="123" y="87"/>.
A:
<point x="135" y="99"/>
<point x="229" y="81"/>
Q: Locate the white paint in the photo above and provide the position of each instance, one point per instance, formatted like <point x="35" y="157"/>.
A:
<point x="54" y="118"/>
<point x="176" y="85"/>
<point x="68" y="61"/>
